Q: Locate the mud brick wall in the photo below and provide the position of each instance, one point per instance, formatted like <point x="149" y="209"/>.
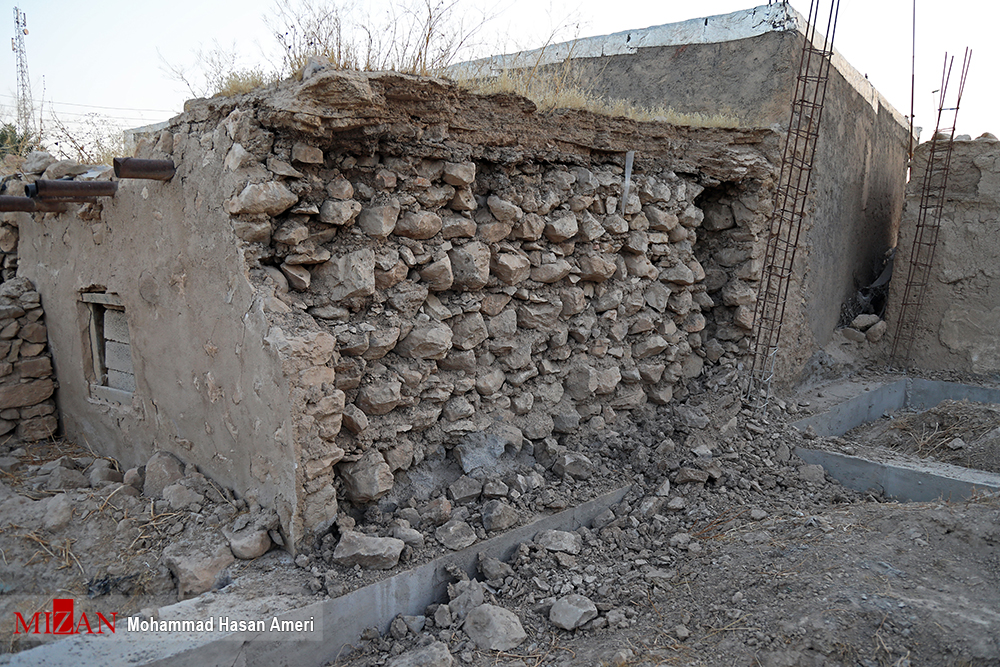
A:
<point x="27" y="382"/>
<point x="957" y="328"/>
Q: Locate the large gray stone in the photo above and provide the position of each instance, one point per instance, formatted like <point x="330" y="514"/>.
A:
<point x="559" y="540"/>
<point x="456" y="535"/>
<point x="162" y="470"/>
<point x="197" y="566"/>
<point x="249" y="543"/>
<point x="572" y="611"/>
<point x="478" y="450"/>
<point x="499" y="515"/>
<point x="375" y="553"/>
<point x="494" y="628"/>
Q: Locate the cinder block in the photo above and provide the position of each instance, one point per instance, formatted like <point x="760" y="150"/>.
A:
<point x="110" y="394"/>
<point x="118" y="357"/>
<point x="116" y="326"/>
<point x="122" y="381"/>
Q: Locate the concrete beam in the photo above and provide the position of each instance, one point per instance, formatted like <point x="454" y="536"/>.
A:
<point x="906" y="481"/>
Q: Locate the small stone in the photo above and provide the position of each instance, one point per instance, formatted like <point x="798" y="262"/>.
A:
<point x="306" y="154"/>
<point x="758" y="514"/>
<point x="681" y="632"/>
<point x="574" y="464"/>
<point x="432" y="655"/>
<point x="248" y="544"/>
<point x="812" y="473"/>
<point x="691" y="475"/>
<point x="572" y="611"/>
<point x="956" y="443"/>
<point x="66" y="478"/>
<point x="853" y="335"/>
<point x="465" y="490"/>
<point x="877" y="331"/>
<point x="58" y="512"/>
<point x="179" y="496"/>
<point x="197" y="566"/>
<point x="864" y="322"/>
<point x="270" y="198"/>
<point x="499" y="515"/>
<point x="368" y="478"/>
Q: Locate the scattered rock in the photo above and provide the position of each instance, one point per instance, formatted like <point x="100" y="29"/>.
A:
<point x="494" y="628"/>
<point x="377" y="553"/>
<point x="572" y="611"/>
<point x="456" y="535"/>
<point x="433" y="655"/>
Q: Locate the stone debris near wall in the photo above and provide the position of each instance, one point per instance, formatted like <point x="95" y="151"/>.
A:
<point x="446" y="275"/>
<point x="27" y="381"/>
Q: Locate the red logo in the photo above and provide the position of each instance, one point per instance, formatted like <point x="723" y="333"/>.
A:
<point x="62" y="621"/>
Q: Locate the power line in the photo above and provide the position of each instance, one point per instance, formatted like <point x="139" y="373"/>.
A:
<point x="94" y="106"/>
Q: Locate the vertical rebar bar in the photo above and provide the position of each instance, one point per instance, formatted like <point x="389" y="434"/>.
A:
<point x="929" y="213"/>
<point x="785" y="225"/>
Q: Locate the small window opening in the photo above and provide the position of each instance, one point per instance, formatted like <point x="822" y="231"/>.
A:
<point x="111" y="374"/>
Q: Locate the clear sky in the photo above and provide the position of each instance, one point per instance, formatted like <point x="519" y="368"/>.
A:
<point x="106" y="56"/>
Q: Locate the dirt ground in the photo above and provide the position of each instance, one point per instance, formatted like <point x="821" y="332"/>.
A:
<point x="766" y="562"/>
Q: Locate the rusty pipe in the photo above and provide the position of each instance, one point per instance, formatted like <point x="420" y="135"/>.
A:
<point x="29" y="205"/>
<point x="133" y="167"/>
<point x="70" y="189"/>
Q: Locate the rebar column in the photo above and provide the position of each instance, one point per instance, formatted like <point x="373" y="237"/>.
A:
<point x="929" y="212"/>
<point x="790" y="203"/>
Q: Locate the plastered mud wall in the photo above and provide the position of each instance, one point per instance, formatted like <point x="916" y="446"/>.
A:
<point x="957" y="328"/>
<point x="354" y="275"/>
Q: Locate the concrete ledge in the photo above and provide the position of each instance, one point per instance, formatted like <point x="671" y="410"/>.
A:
<point x="339" y="622"/>
<point x="907" y="481"/>
<point x="912" y="393"/>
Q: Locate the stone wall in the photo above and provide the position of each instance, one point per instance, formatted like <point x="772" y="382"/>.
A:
<point x="27" y="383"/>
<point x="355" y="274"/>
<point x="744" y="64"/>
<point x="957" y="329"/>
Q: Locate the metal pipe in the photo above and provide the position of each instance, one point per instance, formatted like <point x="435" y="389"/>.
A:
<point x="70" y="189"/>
<point x="29" y="205"/>
<point x="133" y="167"/>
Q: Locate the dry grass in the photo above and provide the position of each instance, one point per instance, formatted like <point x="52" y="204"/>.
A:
<point x="553" y="87"/>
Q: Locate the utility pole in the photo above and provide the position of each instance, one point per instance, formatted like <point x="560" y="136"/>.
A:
<point x="25" y="119"/>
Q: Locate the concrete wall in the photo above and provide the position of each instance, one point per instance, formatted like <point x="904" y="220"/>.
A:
<point x="744" y="64"/>
<point x="957" y="328"/>
<point x="164" y="256"/>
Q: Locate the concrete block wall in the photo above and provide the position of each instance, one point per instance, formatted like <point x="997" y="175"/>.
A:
<point x="27" y="381"/>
